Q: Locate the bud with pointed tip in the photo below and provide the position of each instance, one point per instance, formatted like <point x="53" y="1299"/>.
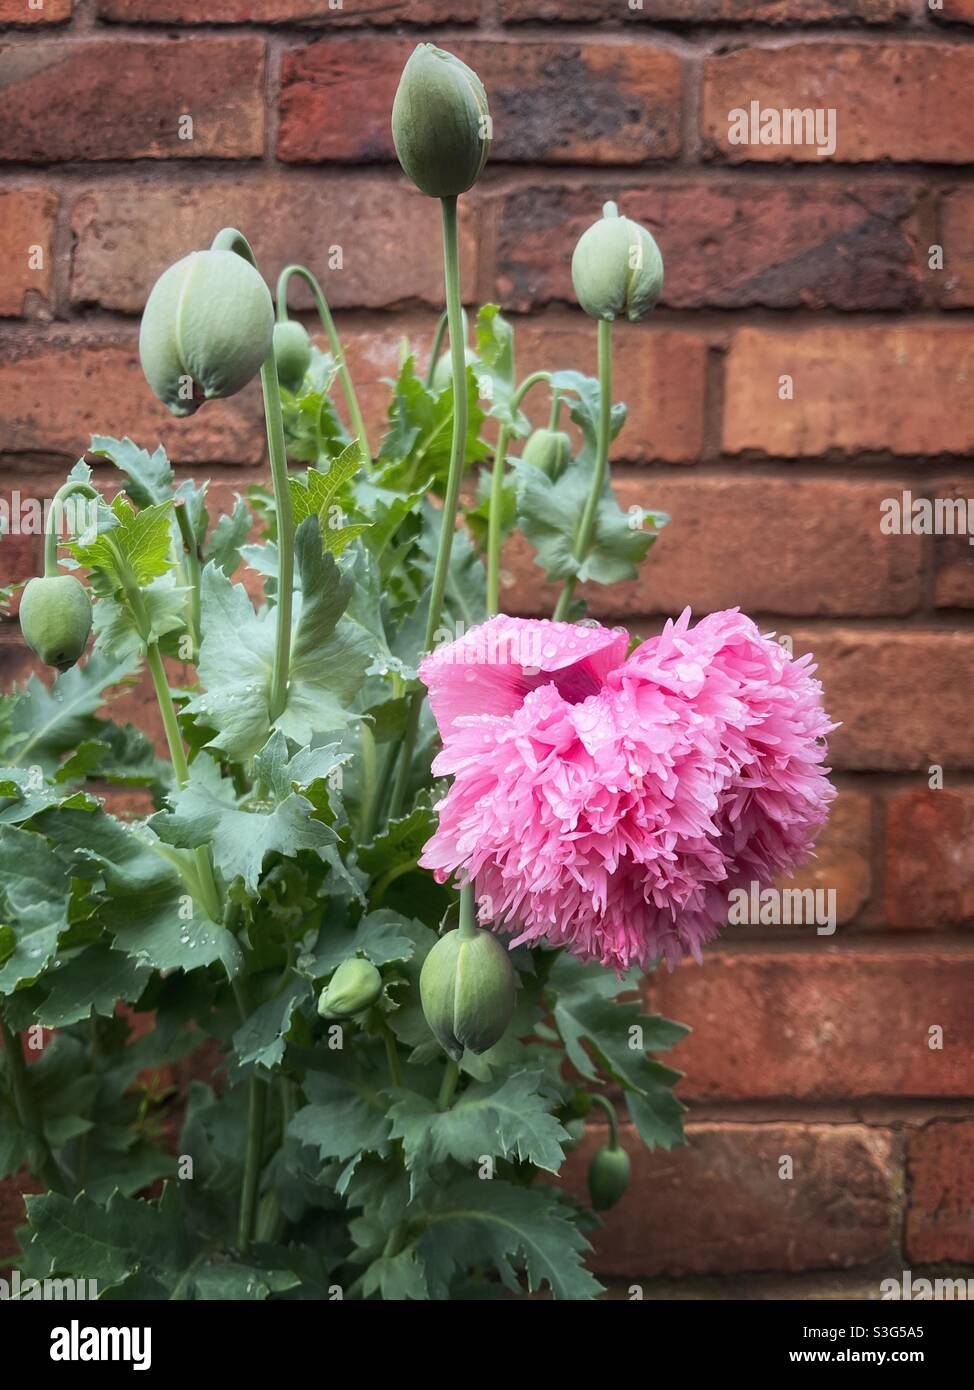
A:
<point x="467" y="988"/>
<point x="55" y="618"/>
<point x="355" y="986"/>
<point x="292" y="353"/>
<point x="208" y="325"/>
<point x="548" y="450"/>
<point x="440" y="122"/>
<point x="617" y="268"/>
<point x="608" y="1176"/>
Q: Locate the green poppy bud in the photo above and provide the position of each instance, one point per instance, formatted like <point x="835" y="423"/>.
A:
<point x="55" y="618"/>
<point x="608" y="1177"/>
<point x="467" y="989"/>
<point x="355" y="986"/>
<point x="440" y="123"/>
<point x="292" y="353"/>
<point x="208" y="325"/>
<point x="443" y="371"/>
<point x="548" y="450"/>
<point x="617" y="268"/>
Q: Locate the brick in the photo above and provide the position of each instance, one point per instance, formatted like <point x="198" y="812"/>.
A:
<point x="27" y="219"/>
<point x="304" y="12"/>
<point x="929" y="874"/>
<point x="954" y="553"/>
<point x="123" y="99"/>
<point x="902" y="696"/>
<point x="726" y="246"/>
<point x="387" y="232"/>
<point x="712" y="11"/>
<point x="858" y="389"/>
<point x="880" y="93"/>
<point x="20" y="555"/>
<point x="940" y="1186"/>
<point x="56" y="393"/>
<point x="843" y="857"/>
<point x="19" y="13"/>
<point x="830" y="557"/>
<point x="718" y="1204"/>
<point x="957" y="237"/>
<point x="558" y="102"/>
<point x="822" y="1026"/>
<point x="955" y="11"/>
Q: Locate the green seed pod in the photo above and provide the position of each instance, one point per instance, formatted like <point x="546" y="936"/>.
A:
<point x="55" y="618"/>
<point x="617" y="268"/>
<point x="467" y="989"/>
<point x="208" y="325"/>
<point x="608" y="1177"/>
<point x="292" y="353"/>
<point x="548" y="450"/>
<point x="355" y="986"/>
<point x="440" y="123"/>
<point x="443" y="371"/>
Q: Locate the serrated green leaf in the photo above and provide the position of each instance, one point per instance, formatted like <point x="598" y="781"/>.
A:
<point x="150" y="478"/>
<point x="91" y="981"/>
<point x="142" y="538"/>
<point x="344" y="1118"/>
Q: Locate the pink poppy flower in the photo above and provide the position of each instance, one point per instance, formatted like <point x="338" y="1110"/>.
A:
<point x="610" y="804"/>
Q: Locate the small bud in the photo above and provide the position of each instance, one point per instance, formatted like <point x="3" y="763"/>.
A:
<point x="440" y="123"/>
<point x="443" y="371"/>
<point x="208" y="325"/>
<point x="467" y="988"/>
<point x="355" y="986"/>
<point x="617" y="268"/>
<point x="292" y="353"/>
<point x="608" y="1177"/>
<point x="548" y="450"/>
<point x="55" y="618"/>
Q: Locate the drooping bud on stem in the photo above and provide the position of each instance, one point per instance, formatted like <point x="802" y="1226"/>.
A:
<point x="354" y="987"/>
<point x="548" y="450"/>
<point x="292" y="353"/>
<point x="55" y="619"/>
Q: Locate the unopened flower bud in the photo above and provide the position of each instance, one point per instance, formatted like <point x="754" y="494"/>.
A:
<point x="208" y="325"/>
<point x="548" y="450"/>
<point x="355" y="986"/>
<point x="292" y="353"/>
<point x="440" y="123"/>
<point x="443" y="371"/>
<point x="55" y="618"/>
<point x="617" y="268"/>
<point x="608" y="1177"/>
<point x="467" y="989"/>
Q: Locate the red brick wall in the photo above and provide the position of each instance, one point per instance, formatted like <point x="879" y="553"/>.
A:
<point x="778" y="262"/>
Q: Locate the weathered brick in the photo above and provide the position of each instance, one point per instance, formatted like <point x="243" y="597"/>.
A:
<point x="812" y="547"/>
<point x="843" y="857"/>
<point x="957" y="233"/>
<point x="56" y="393"/>
<point x="19" y="554"/>
<point x="902" y="696"/>
<point x="876" y="90"/>
<point x="929" y="871"/>
<point x="27" y="218"/>
<point x="940" y="1186"/>
<point x="383" y="227"/>
<point x="725" y="245"/>
<point x="954" y="552"/>
<point x="124" y="99"/>
<point x="711" y="11"/>
<point x="720" y="1205"/>
<point x="304" y="12"/>
<point x="858" y="389"/>
<point x="955" y="11"/>
<point x="21" y="12"/>
<point x="818" y="1025"/>
<point x="561" y="102"/>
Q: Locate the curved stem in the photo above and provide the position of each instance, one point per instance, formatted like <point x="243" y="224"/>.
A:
<point x="328" y="323"/>
<point x="52" y="521"/>
<point x="451" y="265"/>
<point x="586" y="528"/>
<point x="27" y="1111"/>
<point x="610" y="1110"/>
<point x="555" y="416"/>
<point x="438" y="337"/>
<point x="497" y="495"/>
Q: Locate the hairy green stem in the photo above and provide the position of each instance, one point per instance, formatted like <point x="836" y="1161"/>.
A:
<point x="586" y="528"/>
<point x="468" y="917"/>
<point x="328" y="323"/>
<point x="25" y="1104"/>
<point x="52" y="522"/>
<point x="451" y="266"/>
<point x="392" y="1055"/>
